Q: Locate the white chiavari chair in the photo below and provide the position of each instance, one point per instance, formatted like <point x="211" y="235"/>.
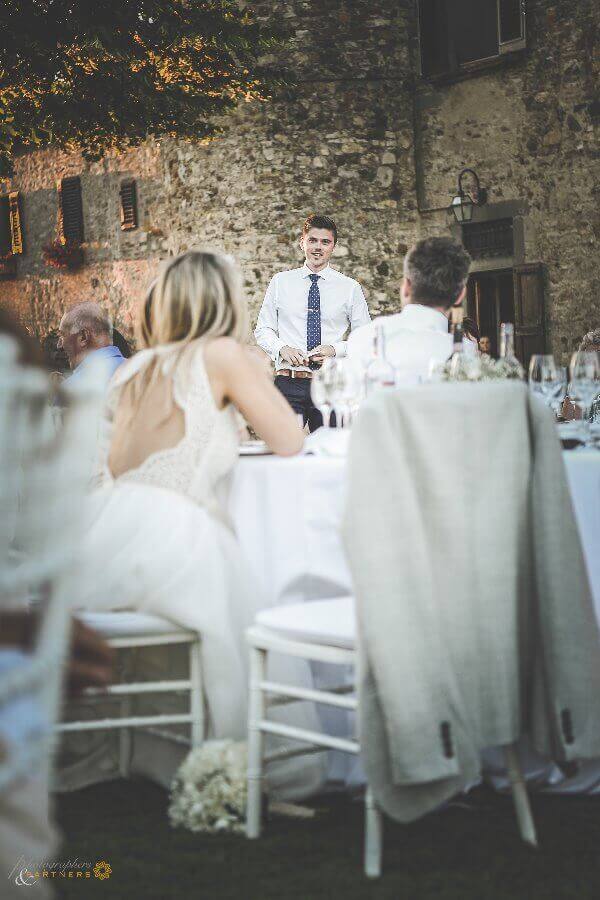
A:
<point x="43" y="478"/>
<point x="128" y="632"/>
<point x="324" y="631"/>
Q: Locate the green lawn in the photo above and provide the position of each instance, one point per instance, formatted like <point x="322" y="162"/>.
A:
<point x="457" y="854"/>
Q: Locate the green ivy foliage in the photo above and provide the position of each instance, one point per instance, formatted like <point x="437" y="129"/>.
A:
<point x="98" y="75"/>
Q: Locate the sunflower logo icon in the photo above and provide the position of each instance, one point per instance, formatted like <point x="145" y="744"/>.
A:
<point x="102" y="870"/>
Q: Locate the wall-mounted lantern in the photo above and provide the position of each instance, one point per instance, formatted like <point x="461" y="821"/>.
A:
<point x="466" y="198"/>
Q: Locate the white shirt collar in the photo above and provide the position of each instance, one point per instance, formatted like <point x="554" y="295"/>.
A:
<point x="418" y="316"/>
<point x="324" y="273"/>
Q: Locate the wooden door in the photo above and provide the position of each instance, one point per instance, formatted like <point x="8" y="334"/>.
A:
<point x="530" y="328"/>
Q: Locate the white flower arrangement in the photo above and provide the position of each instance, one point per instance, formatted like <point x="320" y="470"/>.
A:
<point x="209" y="793"/>
<point x="478" y="368"/>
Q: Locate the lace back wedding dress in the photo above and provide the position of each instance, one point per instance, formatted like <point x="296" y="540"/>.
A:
<point x="159" y="541"/>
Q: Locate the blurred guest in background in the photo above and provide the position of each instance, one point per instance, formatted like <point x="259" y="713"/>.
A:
<point x="435" y="277"/>
<point x="485" y="345"/>
<point x="590" y="342"/>
<point x="86" y="336"/>
<point x="26" y="829"/>
<point x="471" y="332"/>
<point x="29" y="352"/>
<point x="55" y="357"/>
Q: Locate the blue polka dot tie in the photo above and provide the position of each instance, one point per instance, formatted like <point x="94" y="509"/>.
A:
<point x="313" y="317"/>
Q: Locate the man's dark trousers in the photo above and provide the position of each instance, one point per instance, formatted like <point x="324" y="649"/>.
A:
<point x="297" y="393"/>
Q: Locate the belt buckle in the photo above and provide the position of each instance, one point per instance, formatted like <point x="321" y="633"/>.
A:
<point x="292" y="373"/>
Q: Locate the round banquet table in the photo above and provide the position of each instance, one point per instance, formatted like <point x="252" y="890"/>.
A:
<point x="287" y="515"/>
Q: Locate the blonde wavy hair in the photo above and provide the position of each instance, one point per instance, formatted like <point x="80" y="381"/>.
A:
<point x="197" y="294"/>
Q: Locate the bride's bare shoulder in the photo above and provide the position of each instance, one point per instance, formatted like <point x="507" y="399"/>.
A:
<point x="223" y="352"/>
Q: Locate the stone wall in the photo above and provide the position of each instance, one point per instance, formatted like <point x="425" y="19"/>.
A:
<point x="364" y="139"/>
<point x="530" y="128"/>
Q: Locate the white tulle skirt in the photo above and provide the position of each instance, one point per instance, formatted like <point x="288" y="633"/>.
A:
<point x="155" y="551"/>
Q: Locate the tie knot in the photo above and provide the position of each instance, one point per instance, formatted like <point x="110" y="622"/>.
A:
<point x="314" y="278"/>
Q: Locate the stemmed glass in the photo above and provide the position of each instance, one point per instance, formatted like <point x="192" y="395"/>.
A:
<point x="562" y="391"/>
<point x="322" y="391"/>
<point x="585" y="385"/>
<point x="348" y="395"/>
<point x="545" y="377"/>
<point x="336" y="388"/>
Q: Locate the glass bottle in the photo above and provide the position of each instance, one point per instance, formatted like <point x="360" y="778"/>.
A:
<point x="379" y="373"/>
<point x="511" y="364"/>
<point x="457" y="360"/>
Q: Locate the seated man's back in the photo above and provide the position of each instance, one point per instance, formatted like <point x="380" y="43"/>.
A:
<point x="413" y="339"/>
<point x="435" y="278"/>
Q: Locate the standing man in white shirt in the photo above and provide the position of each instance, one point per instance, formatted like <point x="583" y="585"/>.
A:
<point x="435" y="279"/>
<point x="306" y="314"/>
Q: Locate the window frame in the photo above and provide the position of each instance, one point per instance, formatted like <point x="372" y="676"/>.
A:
<point x="130" y="184"/>
<point x="505" y="48"/>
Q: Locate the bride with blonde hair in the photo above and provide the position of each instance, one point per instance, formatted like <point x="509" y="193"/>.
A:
<point x="160" y="541"/>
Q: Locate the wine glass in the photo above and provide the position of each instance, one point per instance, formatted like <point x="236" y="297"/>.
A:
<point x="349" y="391"/>
<point x="563" y="376"/>
<point x="322" y="390"/>
<point x="545" y="377"/>
<point x="585" y="384"/>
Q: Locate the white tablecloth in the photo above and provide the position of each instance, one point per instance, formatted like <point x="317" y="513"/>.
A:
<point x="287" y="514"/>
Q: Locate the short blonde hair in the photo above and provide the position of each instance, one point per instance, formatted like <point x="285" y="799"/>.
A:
<point x="197" y="294"/>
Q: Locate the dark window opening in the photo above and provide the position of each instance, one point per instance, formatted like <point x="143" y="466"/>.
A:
<point x="454" y="33"/>
<point x="71" y="209"/>
<point x="5" y="236"/>
<point x="512" y="24"/>
<point x="487" y="240"/>
<point x="128" y="197"/>
<point x="474" y="25"/>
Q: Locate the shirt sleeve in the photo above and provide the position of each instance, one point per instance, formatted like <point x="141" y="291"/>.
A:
<point x="267" y="326"/>
<point x="358" y="316"/>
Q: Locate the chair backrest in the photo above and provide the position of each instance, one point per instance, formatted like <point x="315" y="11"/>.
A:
<point x="44" y="474"/>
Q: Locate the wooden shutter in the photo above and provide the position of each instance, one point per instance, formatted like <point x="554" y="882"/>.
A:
<point x="14" y="215"/>
<point x="71" y="209"/>
<point x="128" y="195"/>
<point x="530" y="330"/>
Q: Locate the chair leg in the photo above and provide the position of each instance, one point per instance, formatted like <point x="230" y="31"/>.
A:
<point x="256" y="712"/>
<point x="520" y="798"/>
<point x="196" y="694"/>
<point x="373" y="836"/>
<point x="125" y="740"/>
<point x="126" y="667"/>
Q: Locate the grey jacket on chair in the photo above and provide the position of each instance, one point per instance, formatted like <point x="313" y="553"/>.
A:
<point x="475" y="618"/>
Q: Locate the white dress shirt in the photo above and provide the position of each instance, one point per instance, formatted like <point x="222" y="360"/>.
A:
<point x="282" y="318"/>
<point x="413" y="338"/>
